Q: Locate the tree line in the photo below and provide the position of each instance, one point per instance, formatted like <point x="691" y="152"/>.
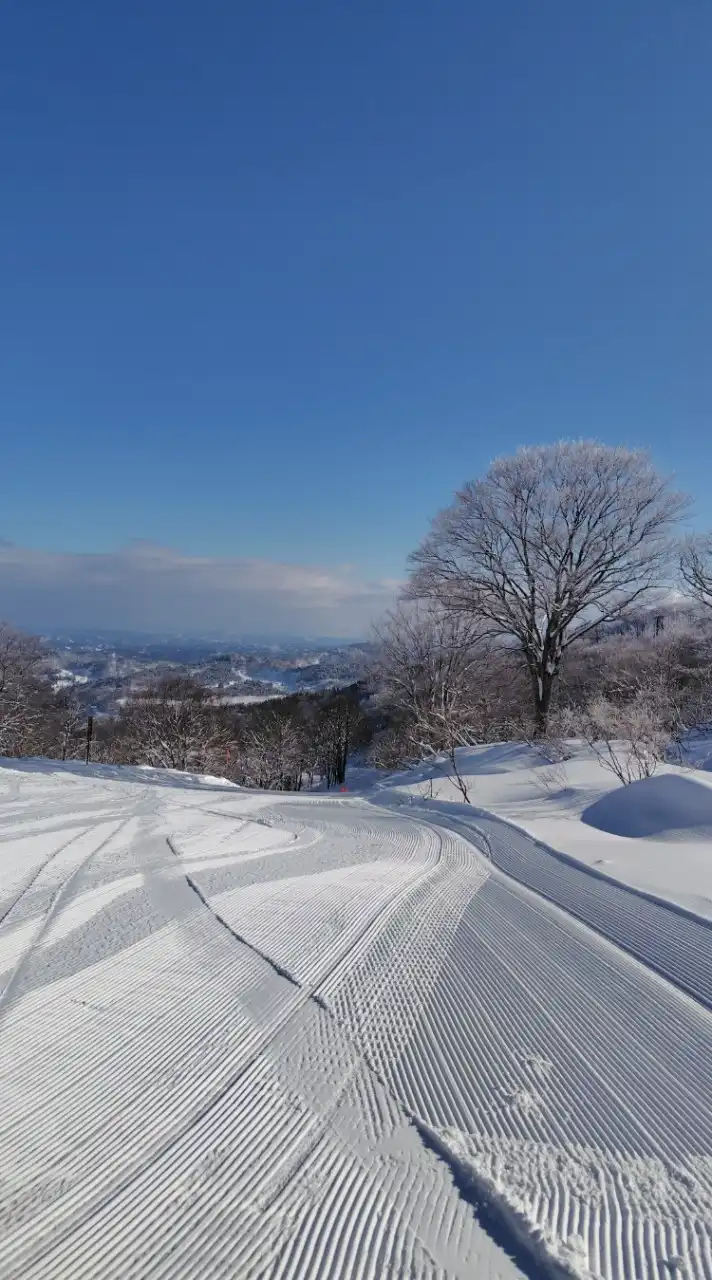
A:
<point x="529" y="613"/>
<point x="177" y="723"/>
<point x="281" y="744"/>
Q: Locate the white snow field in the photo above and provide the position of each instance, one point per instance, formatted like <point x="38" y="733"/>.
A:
<point x="250" y="1035"/>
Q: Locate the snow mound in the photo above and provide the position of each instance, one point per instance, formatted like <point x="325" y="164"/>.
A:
<point x="666" y="807"/>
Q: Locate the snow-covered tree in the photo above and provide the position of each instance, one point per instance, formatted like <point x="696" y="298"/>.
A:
<point x="551" y="543"/>
<point x="173" y="725"/>
<point x="438" y="674"/>
<point x="67" y="723"/>
<point x="270" y="751"/>
<point x="21" y="691"/>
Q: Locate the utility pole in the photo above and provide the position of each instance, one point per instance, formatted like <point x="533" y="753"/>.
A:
<point x="90" y="735"/>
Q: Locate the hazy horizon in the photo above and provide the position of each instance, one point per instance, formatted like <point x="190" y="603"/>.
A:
<point x="145" y="588"/>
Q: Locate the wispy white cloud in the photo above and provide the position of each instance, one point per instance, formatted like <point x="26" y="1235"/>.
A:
<point x="149" y="587"/>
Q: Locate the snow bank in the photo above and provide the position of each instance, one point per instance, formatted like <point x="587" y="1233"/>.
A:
<point x="669" y="806"/>
<point x="512" y="781"/>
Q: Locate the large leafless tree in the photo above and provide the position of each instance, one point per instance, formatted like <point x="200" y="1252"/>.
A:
<point x="551" y="543"/>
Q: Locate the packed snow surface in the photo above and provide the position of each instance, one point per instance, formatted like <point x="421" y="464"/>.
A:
<point x="249" y="1035"/>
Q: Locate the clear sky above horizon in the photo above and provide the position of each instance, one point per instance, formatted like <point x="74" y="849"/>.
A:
<point x="277" y="278"/>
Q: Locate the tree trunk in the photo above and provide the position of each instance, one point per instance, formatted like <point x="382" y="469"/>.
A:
<point x="542" y="685"/>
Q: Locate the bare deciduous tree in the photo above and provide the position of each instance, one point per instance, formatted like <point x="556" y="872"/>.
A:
<point x="271" y="751"/>
<point x="284" y="745"/>
<point x="430" y="668"/>
<point x="548" y="545"/>
<point x="333" y="732"/>
<point x="68" y="721"/>
<point x="696" y="568"/>
<point x="21" y="659"/>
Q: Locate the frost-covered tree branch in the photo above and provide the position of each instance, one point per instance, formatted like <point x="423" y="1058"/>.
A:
<point x="432" y="668"/>
<point x="696" y="568"/>
<point x="630" y="735"/>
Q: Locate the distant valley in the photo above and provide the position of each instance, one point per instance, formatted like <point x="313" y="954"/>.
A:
<point x="104" y="669"/>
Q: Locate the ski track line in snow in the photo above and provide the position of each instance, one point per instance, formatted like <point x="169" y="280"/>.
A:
<point x="372" y="1000"/>
<point x="673" y="942"/>
<point x="283" y="973"/>
<point x="81" y="823"/>
<point x="30" y="881"/>
<point x="367" y="924"/>
<point x="79" y="859"/>
<point x="330" y="1258"/>
<point x="308" y="1201"/>
<point x="297" y="918"/>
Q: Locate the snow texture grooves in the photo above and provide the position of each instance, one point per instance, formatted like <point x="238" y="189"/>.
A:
<point x="500" y="1220"/>
<point x="31" y="880"/>
<point x="664" y="937"/>
<point x="453" y="1050"/>
<point x="571" y="1084"/>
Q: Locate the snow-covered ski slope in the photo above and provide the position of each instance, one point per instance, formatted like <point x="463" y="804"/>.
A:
<point x="251" y="1036"/>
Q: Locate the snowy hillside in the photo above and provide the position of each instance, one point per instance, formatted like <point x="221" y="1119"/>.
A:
<point x="255" y="1035"/>
<point x="655" y="835"/>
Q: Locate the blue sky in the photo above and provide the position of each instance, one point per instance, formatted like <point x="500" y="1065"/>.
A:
<point x="276" y="277"/>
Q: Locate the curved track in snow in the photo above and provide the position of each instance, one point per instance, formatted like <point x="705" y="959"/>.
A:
<point x="252" y="1037"/>
<point x="664" y="936"/>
